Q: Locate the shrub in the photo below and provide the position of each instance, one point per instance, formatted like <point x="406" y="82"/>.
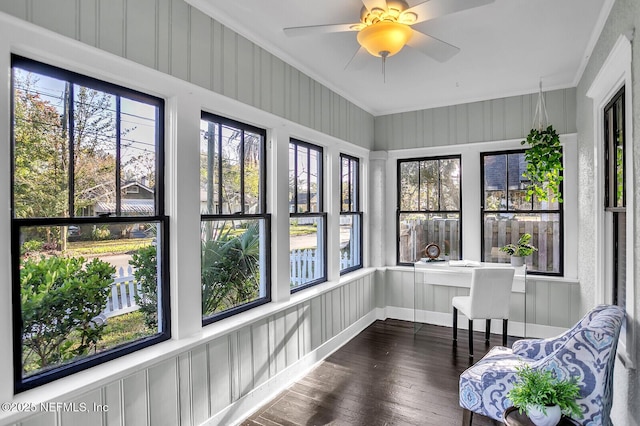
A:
<point x="31" y="246"/>
<point x="145" y="263"/>
<point x="101" y="233"/>
<point x="59" y="299"/>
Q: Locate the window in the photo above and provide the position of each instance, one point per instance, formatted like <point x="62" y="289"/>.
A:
<point x="89" y="258"/>
<point x="307" y="219"/>
<point x="615" y="192"/>
<point x="429" y="194"/>
<point x="506" y="214"/>
<point x="350" y="215"/>
<point x="235" y="227"/>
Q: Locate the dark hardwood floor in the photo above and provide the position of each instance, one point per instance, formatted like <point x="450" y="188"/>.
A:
<point x="387" y="375"/>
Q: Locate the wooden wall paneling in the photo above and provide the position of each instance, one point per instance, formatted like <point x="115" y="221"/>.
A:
<point x="487" y="117"/>
<point x="185" y="394"/>
<point x="516" y="307"/>
<point x="327" y="317"/>
<point x="442" y="296"/>
<point x="244" y="360"/>
<point x="260" y="351"/>
<point x="571" y="108"/>
<point x="477" y="122"/>
<point x="337" y="319"/>
<point x="440" y="126"/>
<point x="41" y="419"/>
<point x="277" y="86"/>
<point x="164" y="398"/>
<point x="60" y="16"/>
<point x="18" y="8"/>
<point x="558" y="303"/>
<point x="112" y="397"/>
<point x="292" y="109"/>
<point x="498" y="120"/>
<point x="462" y="124"/>
<point x="217" y="57"/>
<point x="271" y="324"/>
<point x="200" y="36"/>
<point x="292" y="353"/>
<point x="200" y="383"/>
<point x="452" y="137"/>
<point x="316" y="322"/>
<point x="229" y="63"/>
<point x="83" y="410"/>
<point x="513" y="118"/>
<point x="256" y="100"/>
<point x="140" y="33"/>
<point x="244" y="71"/>
<point x="280" y="342"/>
<point x="304" y="336"/>
<point x="87" y="22"/>
<point x="528" y="110"/>
<point x="135" y="399"/>
<point x="163" y="44"/>
<point x="266" y="78"/>
<point x="220" y="374"/>
<point x="234" y="366"/>
<point x="409" y="127"/>
<point x="111" y="25"/>
<point x="574" y="305"/>
<point x="180" y="15"/>
<point x="556" y="106"/>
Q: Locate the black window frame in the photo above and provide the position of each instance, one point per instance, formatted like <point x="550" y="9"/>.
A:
<point x="354" y="205"/>
<point x="22" y="384"/>
<point x="242" y="215"/>
<point x="484" y="212"/>
<point x="618" y="212"/>
<point x="321" y="214"/>
<point x="400" y="212"/>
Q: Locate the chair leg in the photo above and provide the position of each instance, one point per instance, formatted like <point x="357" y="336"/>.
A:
<point x="487" y="331"/>
<point x="467" y="417"/>
<point x="505" y="322"/>
<point x="470" y="338"/>
<point x="455" y="324"/>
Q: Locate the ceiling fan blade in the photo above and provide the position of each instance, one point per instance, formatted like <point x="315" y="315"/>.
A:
<point x="435" y="8"/>
<point x="437" y="49"/>
<point x="318" y="29"/>
<point x="373" y="4"/>
<point x="358" y="60"/>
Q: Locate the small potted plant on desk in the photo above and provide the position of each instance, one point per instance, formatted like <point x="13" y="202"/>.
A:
<point x="520" y="250"/>
<point x="543" y="397"/>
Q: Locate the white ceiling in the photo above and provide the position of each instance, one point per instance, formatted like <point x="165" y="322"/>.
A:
<point x="507" y="47"/>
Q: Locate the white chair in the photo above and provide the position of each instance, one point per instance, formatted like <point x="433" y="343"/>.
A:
<point x="489" y="298"/>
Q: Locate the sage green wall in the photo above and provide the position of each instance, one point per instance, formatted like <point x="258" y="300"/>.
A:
<point x="491" y="120"/>
<point x="177" y="39"/>
<point x="624" y="17"/>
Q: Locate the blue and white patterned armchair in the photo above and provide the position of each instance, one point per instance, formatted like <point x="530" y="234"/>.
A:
<point x="586" y="351"/>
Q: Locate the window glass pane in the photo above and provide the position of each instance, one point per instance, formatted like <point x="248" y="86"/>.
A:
<point x="417" y="230"/>
<point x="231" y="192"/>
<point x="302" y="178"/>
<point x="429" y="185"/>
<point x="105" y="291"/>
<point x="94" y="151"/>
<point x="504" y="228"/>
<point x="350" y="241"/>
<point x="345" y="183"/>
<point x="495" y="178"/>
<point x="252" y="156"/>
<point x="234" y="262"/>
<point x="307" y="263"/>
<point x="450" y="184"/>
<point x="138" y="134"/>
<point x="619" y="152"/>
<point x="315" y="189"/>
<point x="409" y="172"/>
<point x="355" y="182"/>
<point x="292" y="178"/>
<point x="209" y="162"/>
<point x="41" y="155"/>
<point x="516" y="166"/>
<point x="620" y="259"/>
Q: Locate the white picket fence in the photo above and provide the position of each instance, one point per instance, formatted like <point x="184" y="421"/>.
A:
<point x="307" y="266"/>
<point x="122" y="298"/>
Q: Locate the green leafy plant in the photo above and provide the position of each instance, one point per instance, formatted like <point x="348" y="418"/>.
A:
<point x="522" y="248"/>
<point x="145" y="263"/>
<point x="60" y="297"/>
<point x="101" y="233"/>
<point x="544" y="164"/>
<point x="542" y="388"/>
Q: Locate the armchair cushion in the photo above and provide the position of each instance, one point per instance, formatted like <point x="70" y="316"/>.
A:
<point x="586" y="351"/>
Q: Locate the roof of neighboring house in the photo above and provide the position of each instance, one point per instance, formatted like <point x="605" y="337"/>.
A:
<point x="127" y="206"/>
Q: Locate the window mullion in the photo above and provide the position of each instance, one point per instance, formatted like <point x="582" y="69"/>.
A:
<point x="118" y="191"/>
<point x="69" y="107"/>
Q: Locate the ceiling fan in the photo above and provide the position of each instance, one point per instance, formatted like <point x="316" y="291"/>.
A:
<point x="385" y="28"/>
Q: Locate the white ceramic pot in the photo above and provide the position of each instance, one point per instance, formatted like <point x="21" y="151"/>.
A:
<point x="551" y="418"/>
<point x="517" y="260"/>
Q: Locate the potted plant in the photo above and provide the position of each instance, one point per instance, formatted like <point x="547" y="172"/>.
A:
<point x="544" y="164"/>
<point x="520" y="250"/>
<point x="543" y="396"/>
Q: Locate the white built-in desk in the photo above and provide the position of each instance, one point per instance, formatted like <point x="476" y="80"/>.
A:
<point x="435" y="282"/>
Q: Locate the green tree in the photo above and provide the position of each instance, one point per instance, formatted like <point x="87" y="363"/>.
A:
<point x="145" y="262"/>
<point x="60" y="297"/>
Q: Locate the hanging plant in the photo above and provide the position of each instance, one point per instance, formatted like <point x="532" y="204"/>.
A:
<point x="544" y="164"/>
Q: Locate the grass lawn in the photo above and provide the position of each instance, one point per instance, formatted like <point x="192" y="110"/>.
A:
<point x="79" y="248"/>
<point x="123" y="329"/>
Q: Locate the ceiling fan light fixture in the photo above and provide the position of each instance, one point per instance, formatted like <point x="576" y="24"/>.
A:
<point x="384" y="36"/>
